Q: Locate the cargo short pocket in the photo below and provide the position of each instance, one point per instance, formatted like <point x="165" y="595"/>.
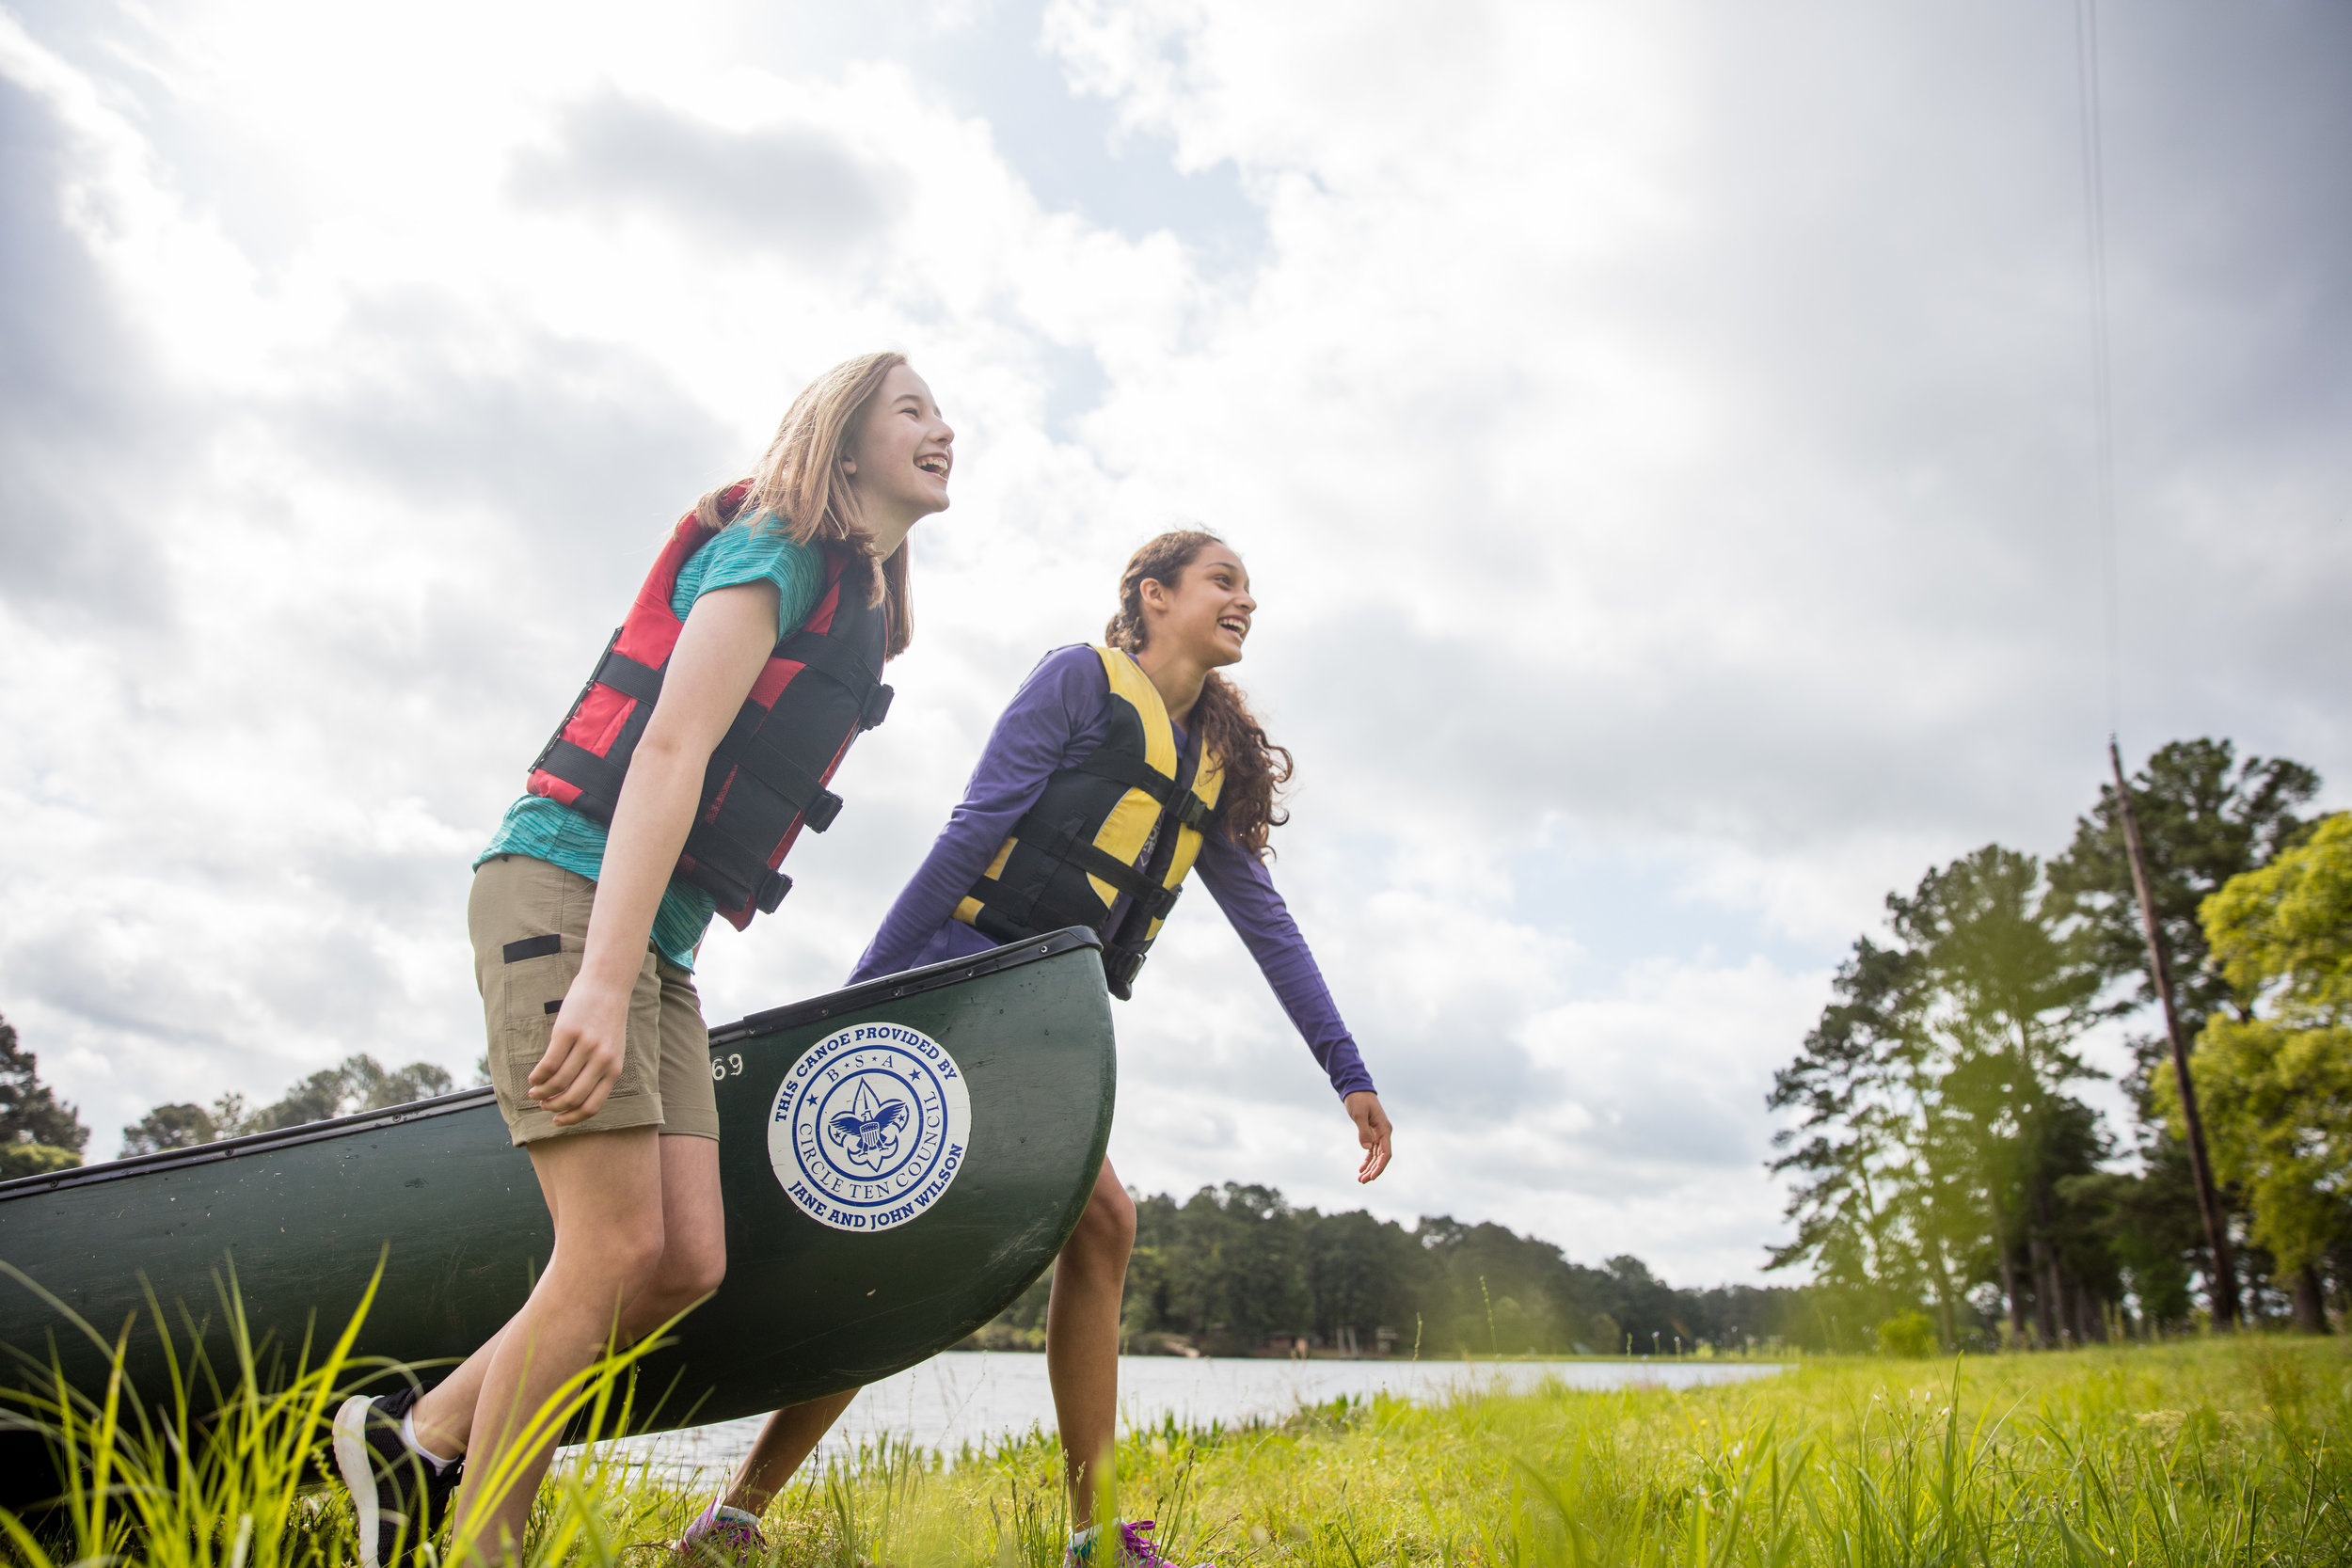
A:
<point x="532" y="987"/>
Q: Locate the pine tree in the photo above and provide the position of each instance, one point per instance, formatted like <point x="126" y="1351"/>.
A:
<point x="38" y="1130"/>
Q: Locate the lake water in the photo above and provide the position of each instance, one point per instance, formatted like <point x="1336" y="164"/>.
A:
<point x="951" y="1400"/>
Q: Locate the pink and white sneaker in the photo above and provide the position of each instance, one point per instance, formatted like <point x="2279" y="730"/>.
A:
<point x="1135" y="1548"/>
<point x="721" y="1537"/>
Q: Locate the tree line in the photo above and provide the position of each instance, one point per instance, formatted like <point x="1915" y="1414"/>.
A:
<point x="1236" y="1270"/>
<point x="354" y="1084"/>
<point x="1944" y="1159"/>
<point x="40" y="1133"/>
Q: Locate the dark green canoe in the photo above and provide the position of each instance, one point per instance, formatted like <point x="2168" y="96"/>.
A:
<point x="872" y="1220"/>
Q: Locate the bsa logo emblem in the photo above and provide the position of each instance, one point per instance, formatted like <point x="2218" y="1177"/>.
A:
<point x="870" y="1126"/>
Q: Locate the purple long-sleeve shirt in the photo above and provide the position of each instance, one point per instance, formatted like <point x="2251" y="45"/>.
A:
<point x="1061" y="713"/>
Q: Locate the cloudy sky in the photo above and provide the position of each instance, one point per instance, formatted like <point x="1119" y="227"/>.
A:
<point x="1661" y="436"/>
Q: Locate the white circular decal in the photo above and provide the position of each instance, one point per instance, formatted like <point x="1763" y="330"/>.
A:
<point x="870" y="1126"/>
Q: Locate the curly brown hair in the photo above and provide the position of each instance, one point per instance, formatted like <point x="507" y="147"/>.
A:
<point x="1255" y="767"/>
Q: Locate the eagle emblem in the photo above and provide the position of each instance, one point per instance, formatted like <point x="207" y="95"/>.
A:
<point x="868" y="1131"/>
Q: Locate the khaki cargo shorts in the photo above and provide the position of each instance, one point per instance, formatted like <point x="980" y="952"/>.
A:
<point x="528" y="921"/>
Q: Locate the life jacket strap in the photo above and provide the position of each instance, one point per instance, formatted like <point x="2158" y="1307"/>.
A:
<point x="1121" y="965"/>
<point x="1149" y="896"/>
<point x="573" y="712"/>
<point x="758" y="788"/>
<point x="629" y="677"/>
<point x="597" y="780"/>
<point x="578" y="764"/>
<point x="837" y="661"/>
<point x="1130" y="770"/>
<point x="1135" y="773"/>
<point x="752" y="746"/>
<point x="830" y="657"/>
<point x="709" y="846"/>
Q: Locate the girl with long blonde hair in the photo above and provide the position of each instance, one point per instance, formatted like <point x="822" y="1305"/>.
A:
<point x="700" y="747"/>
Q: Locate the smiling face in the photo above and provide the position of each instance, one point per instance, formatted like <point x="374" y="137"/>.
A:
<point x="1205" y="613"/>
<point x="900" y="454"/>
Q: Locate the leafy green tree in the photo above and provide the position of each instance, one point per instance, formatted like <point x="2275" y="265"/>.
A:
<point x="1479" y="1267"/>
<point x="33" y="1160"/>
<point x="1933" y="1089"/>
<point x="2138" y="1222"/>
<point x="1847" y="1084"/>
<point x="175" y="1126"/>
<point x="1152" y="1270"/>
<point x="2203" y="818"/>
<point x="1244" y="1274"/>
<point x="357" y="1083"/>
<point x="1363" y="1274"/>
<point x="32" y="1117"/>
<point x="1652" y="1311"/>
<point x="2275" y="1069"/>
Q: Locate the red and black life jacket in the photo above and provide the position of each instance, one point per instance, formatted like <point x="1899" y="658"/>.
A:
<point x="821" y="689"/>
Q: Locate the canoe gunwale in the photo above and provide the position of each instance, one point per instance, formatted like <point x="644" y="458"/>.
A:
<point x="888" y="988"/>
<point x="252" y="1143"/>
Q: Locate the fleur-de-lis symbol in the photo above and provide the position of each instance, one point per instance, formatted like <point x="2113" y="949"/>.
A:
<point x="868" y="1131"/>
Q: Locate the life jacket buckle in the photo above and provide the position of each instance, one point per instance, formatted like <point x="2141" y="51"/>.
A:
<point x="1191" y="813"/>
<point x="772" y="887"/>
<point x="875" y="709"/>
<point x="822" y="811"/>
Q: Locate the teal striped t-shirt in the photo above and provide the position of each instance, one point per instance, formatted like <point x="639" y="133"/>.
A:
<point x="547" y="831"/>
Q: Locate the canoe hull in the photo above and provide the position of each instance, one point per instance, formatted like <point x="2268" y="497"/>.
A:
<point x="299" y="1219"/>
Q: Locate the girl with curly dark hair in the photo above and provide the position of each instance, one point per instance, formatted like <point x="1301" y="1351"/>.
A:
<point x="1117" y="769"/>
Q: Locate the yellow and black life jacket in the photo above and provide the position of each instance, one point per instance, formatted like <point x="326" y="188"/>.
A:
<point x="1134" y="801"/>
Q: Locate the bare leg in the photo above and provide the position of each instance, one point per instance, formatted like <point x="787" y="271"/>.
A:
<point x="606" y="1193"/>
<point x="443" y="1418"/>
<point x="790" y="1435"/>
<point x="1081" y="1360"/>
<point x="1082" y="1336"/>
<point x="693" y="1260"/>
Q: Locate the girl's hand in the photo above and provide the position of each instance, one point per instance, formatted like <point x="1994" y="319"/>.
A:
<point x="1372" y="1131"/>
<point x="584" y="1054"/>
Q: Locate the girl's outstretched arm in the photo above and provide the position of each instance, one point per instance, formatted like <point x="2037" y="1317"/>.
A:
<point x="1239" y="882"/>
<point x="727" y="640"/>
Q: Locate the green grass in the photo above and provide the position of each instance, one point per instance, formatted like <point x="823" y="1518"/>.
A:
<point x="2207" y="1451"/>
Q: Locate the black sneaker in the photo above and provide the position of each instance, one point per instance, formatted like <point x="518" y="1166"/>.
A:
<point x="397" y="1498"/>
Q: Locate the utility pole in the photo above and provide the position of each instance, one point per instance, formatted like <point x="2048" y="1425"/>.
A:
<point x="2208" y="1200"/>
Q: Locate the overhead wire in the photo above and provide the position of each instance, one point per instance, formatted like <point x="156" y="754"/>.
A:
<point x="2222" y="1277"/>
<point x="2102" y="377"/>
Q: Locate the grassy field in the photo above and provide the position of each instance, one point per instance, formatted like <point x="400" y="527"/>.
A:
<point x="2200" y="1452"/>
